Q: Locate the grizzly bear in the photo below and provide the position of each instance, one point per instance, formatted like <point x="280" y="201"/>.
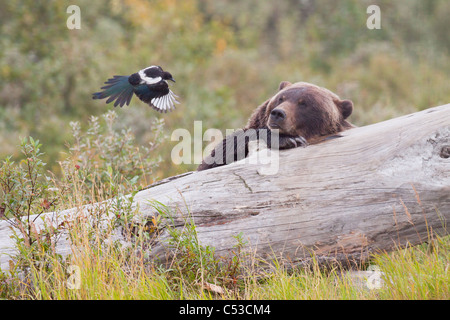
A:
<point x="302" y="112"/>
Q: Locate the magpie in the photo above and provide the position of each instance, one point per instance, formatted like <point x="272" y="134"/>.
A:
<point x="149" y="84"/>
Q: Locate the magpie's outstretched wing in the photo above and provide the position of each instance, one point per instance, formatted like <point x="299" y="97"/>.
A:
<point x="158" y="96"/>
<point x="117" y="88"/>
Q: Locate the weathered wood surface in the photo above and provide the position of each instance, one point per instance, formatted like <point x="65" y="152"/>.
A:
<point x="376" y="188"/>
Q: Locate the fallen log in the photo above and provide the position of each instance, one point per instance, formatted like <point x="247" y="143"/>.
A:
<point x="377" y="188"/>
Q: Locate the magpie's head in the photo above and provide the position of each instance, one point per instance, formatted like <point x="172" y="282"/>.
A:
<point x="167" y="76"/>
<point x="154" y="74"/>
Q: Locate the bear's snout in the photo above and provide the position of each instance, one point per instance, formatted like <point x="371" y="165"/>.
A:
<point x="281" y="118"/>
<point x="277" y="115"/>
<point x="277" y="119"/>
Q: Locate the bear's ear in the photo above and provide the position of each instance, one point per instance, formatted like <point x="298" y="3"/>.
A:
<point x="346" y="108"/>
<point x="283" y="85"/>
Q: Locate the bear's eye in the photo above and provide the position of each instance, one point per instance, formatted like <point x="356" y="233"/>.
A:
<point x="280" y="99"/>
<point x="302" y="103"/>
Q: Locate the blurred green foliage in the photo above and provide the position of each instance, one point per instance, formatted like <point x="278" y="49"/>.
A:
<point x="227" y="58"/>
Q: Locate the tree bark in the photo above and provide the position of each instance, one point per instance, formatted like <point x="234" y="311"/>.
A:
<point x="377" y="188"/>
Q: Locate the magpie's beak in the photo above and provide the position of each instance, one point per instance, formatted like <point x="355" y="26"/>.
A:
<point x="172" y="79"/>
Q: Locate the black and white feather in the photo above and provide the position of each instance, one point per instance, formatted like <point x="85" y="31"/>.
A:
<point x="149" y="85"/>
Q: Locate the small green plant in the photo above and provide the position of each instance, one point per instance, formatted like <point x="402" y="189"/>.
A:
<point x="105" y="161"/>
<point x="26" y="191"/>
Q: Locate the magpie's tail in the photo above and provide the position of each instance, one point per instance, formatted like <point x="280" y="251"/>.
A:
<point x="117" y="88"/>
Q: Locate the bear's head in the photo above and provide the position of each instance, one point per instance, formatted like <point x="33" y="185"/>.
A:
<point x="304" y="109"/>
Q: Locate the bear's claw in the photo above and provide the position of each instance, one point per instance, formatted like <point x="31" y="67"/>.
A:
<point x="293" y="142"/>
